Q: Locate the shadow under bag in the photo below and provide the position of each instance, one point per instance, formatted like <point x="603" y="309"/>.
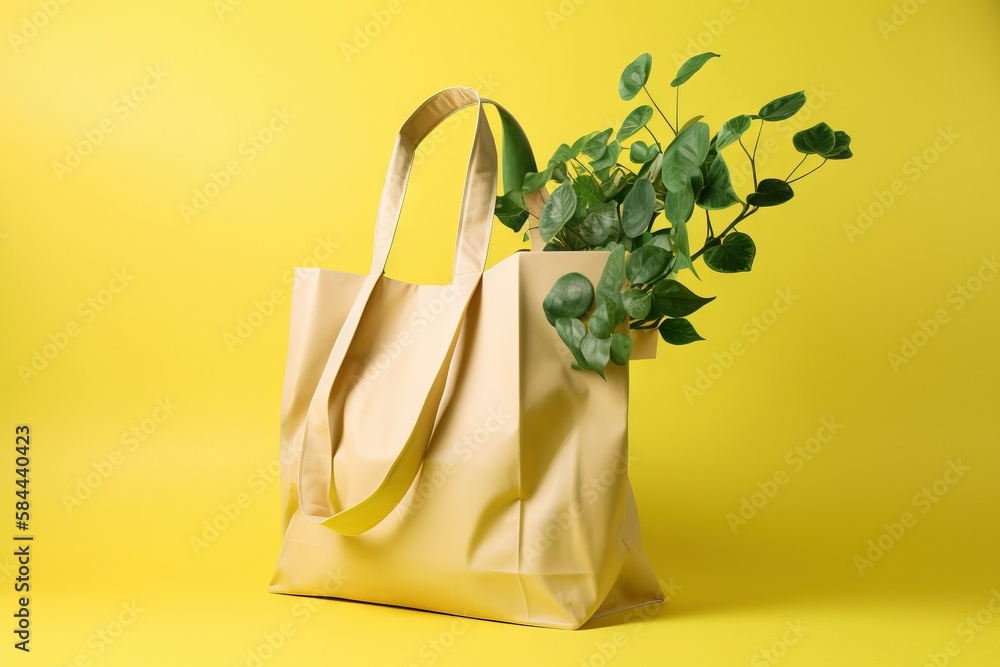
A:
<point x="437" y="450"/>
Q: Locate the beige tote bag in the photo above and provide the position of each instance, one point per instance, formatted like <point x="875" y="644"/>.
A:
<point x="437" y="450"/>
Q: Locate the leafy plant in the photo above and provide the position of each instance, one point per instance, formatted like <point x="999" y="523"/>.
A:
<point x="641" y="214"/>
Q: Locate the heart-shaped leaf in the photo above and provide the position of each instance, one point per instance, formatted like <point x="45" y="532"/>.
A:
<point x="770" y="192"/>
<point x="570" y="296"/>
<point x="675" y="300"/>
<point x="634" y="122"/>
<point x="613" y="276"/>
<point x="596" y="352"/>
<point x="600" y="225"/>
<point x="691" y="66"/>
<point x="686" y="152"/>
<point x="817" y="139"/>
<point x="557" y="211"/>
<point x="597" y="144"/>
<point x="640" y="153"/>
<point x="678" y="205"/>
<point x="783" y="108"/>
<point x="572" y="333"/>
<point x="510" y="210"/>
<point x="621" y="348"/>
<point x="635" y="76"/>
<point x="637" y="209"/>
<point x="718" y="191"/>
<point x="636" y="303"/>
<point x="841" y="149"/>
<point x="646" y="263"/>
<point x="678" y="331"/>
<point x="609" y="158"/>
<point x="731" y="131"/>
<point x="734" y="254"/>
<point x="587" y="188"/>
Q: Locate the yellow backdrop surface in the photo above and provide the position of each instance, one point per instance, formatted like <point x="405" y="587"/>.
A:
<point x="818" y="480"/>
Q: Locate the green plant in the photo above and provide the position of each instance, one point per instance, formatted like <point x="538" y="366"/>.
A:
<point x="608" y="206"/>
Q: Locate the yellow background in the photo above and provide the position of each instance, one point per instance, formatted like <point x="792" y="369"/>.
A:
<point x="895" y="75"/>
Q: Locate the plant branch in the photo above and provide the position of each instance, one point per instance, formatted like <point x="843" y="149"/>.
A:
<point x="744" y="214"/>
<point x="796" y="168"/>
<point x="585" y="170"/>
<point x="652" y="135"/>
<point x="805" y="174"/>
<point x="661" y="112"/>
<point x="677" y="106"/>
<point x="753" y="158"/>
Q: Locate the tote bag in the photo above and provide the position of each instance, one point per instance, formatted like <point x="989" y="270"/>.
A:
<point x="437" y="450"/>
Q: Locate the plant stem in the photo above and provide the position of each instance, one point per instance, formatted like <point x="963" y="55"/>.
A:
<point x="753" y="158"/>
<point x="796" y="168"/>
<point x="739" y="218"/>
<point x="709" y="232"/>
<point x="625" y="168"/>
<point x="585" y="170"/>
<point x="652" y="135"/>
<point x="677" y="106"/>
<point x="807" y="173"/>
<point x="661" y="112"/>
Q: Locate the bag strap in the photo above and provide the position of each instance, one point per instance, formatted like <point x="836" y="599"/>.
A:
<point x="320" y="436"/>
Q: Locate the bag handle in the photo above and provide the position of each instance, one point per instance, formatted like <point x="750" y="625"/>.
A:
<point x="320" y="437"/>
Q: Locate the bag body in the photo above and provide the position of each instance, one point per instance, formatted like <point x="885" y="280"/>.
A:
<point x="437" y="450"/>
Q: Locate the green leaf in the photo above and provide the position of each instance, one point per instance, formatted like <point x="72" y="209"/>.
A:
<point x="841" y="149"/>
<point x="578" y="145"/>
<point x="646" y="263"/>
<point x="678" y="331"/>
<point x="613" y="276"/>
<point x="783" y="107"/>
<point x="678" y="205"/>
<point x="637" y="209"/>
<point x="634" y="122"/>
<point x="770" y="192"/>
<point x="731" y="131"/>
<point x="536" y="181"/>
<point x="817" y="139"/>
<point x="597" y="144"/>
<point x="640" y="153"/>
<point x="570" y="296"/>
<point x="609" y="158"/>
<point x="562" y="154"/>
<point x="516" y="153"/>
<point x="587" y="187"/>
<point x="691" y="66"/>
<point x="596" y="352"/>
<point x="510" y="210"/>
<point x="674" y="300"/>
<point x="600" y="225"/>
<point x="572" y="333"/>
<point x="636" y="303"/>
<point x="718" y="191"/>
<point x="686" y="152"/>
<point x="635" y="76"/>
<point x="621" y="348"/>
<point x="606" y="317"/>
<point x="733" y="255"/>
<point x="557" y="211"/>
<point x="614" y="184"/>
<point x="682" y="247"/>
